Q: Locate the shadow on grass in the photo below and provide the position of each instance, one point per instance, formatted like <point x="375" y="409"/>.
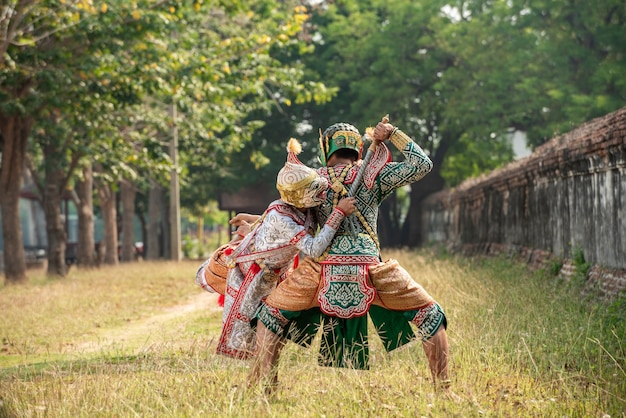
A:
<point x="93" y="366"/>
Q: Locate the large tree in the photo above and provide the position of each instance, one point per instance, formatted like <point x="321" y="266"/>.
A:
<point x="262" y="77"/>
<point x="541" y="67"/>
<point x="460" y="77"/>
<point x="29" y="33"/>
<point x="67" y="55"/>
<point x="98" y="81"/>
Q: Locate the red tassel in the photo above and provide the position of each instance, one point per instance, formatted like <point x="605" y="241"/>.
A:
<point x="296" y="261"/>
<point x="220" y="301"/>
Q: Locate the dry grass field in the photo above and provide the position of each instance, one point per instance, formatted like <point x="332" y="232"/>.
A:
<point x="139" y="340"/>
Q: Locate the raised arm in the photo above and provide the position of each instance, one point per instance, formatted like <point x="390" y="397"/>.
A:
<point x="415" y="166"/>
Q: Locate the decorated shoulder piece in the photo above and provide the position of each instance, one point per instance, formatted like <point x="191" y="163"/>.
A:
<point x="244" y="251"/>
<point x="380" y="156"/>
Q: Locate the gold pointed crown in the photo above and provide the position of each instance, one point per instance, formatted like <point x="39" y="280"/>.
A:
<point x="298" y="184"/>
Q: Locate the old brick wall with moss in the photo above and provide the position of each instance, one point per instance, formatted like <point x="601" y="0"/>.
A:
<point x="564" y="207"/>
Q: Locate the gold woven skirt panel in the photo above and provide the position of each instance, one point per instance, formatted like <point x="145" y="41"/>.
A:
<point x="299" y="291"/>
<point x="216" y="271"/>
<point x="396" y="289"/>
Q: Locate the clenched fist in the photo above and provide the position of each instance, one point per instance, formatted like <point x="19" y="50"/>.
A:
<point x="383" y="131"/>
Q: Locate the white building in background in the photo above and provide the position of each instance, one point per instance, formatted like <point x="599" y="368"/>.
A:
<point x="520" y="145"/>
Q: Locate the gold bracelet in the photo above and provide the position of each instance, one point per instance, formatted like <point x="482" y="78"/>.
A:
<point x="399" y="139"/>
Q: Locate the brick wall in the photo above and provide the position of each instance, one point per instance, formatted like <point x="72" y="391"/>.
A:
<point x="568" y="196"/>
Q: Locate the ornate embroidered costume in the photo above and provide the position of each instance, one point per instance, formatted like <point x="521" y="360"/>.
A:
<point x="350" y="281"/>
<point x="264" y="259"/>
<point x="266" y="255"/>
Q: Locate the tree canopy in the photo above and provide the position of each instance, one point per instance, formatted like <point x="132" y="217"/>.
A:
<point x="101" y="81"/>
<point x="108" y="82"/>
<point x="459" y="77"/>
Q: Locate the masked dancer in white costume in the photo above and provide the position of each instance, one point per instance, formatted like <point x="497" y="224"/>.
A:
<point x="267" y="253"/>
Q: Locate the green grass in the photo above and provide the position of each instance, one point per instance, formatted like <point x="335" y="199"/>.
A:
<point x="127" y="341"/>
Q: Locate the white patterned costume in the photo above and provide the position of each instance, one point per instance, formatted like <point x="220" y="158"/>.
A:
<point x="266" y="255"/>
<point x="264" y="259"/>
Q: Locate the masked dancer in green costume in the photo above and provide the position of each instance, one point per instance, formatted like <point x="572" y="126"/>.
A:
<point x="337" y="290"/>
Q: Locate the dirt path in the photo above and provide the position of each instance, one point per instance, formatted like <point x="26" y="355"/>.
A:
<point x="157" y="329"/>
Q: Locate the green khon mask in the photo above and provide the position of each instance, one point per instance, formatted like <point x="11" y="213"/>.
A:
<point x="339" y="136"/>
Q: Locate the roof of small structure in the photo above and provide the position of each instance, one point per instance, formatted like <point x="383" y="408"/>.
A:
<point x="253" y="199"/>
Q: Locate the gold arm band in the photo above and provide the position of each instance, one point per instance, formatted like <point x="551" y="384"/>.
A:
<point x="399" y="139"/>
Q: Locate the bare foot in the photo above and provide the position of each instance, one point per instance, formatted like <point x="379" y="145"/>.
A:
<point x="442" y="389"/>
<point x="448" y="394"/>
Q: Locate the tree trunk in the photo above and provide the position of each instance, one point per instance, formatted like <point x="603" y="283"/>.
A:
<point x="128" y="193"/>
<point x="389" y="231"/>
<point x="200" y="231"/>
<point x="144" y="233"/>
<point x="84" y="204"/>
<point x="109" y="214"/>
<point x="155" y="202"/>
<point x="55" y="227"/>
<point x="432" y="183"/>
<point x="166" y="231"/>
<point x="411" y="231"/>
<point x="200" y="234"/>
<point x="14" y="132"/>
